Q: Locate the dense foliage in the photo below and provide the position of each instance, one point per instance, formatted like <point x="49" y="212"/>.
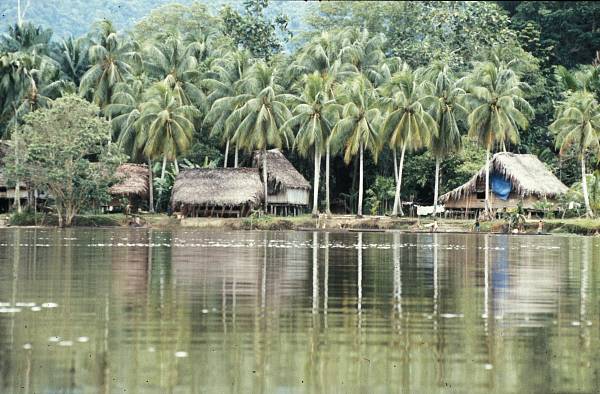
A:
<point x="63" y="152"/>
<point x="409" y="94"/>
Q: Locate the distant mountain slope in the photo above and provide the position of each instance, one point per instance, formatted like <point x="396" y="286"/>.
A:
<point x="74" y="17"/>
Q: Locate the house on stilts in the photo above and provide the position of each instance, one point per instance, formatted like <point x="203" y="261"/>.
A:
<point x="514" y="179"/>
<point x="217" y="192"/>
<point x="288" y="190"/>
<point x="133" y="185"/>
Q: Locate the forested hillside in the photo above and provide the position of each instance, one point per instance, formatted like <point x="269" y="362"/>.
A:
<point x="75" y="17"/>
<point x="393" y="98"/>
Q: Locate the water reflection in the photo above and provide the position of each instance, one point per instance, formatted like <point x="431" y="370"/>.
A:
<point x="186" y="311"/>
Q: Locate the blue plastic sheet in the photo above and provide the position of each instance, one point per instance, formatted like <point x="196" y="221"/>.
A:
<point x="500" y="186"/>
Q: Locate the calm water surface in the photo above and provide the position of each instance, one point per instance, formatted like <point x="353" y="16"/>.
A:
<point x="147" y="311"/>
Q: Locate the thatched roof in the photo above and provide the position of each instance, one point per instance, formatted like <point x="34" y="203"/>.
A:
<point x="528" y="175"/>
<point x="218" y="186"/>
<point x="281" y="173"/>
<point x="133" y="180"/>
<point x="2" y="179"/>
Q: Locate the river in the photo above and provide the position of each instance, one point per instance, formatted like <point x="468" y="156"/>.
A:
<point x="149" y="311"/>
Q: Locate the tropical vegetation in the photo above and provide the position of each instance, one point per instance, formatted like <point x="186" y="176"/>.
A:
<point x="417" y="95"/>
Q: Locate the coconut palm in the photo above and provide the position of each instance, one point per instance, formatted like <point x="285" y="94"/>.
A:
<point x="109" y="55"/>
<point x="408" y="125"/>
<point x="175" y="63"/>
<point x="314" y="116"/>
<point x="125" y="111"/>
<point x="444" y="106"/>
<point x="358" y="127"/>
<point x="498" y="109"/>
<point x="166" y="126"/>
<point x="26" y="37"/>
<point x="223" y="83"/>
<point x="71" y="56"/>
<point x="323" y="55"/>
<point x="362" y="53"/>
<point x="578" y="125"/>
<point x="258" y="123"/>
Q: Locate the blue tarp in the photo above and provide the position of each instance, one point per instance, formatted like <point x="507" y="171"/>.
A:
<point x="500" y="186"/>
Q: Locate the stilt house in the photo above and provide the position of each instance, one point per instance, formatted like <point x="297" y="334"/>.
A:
<point x="288" y="191"/>
<point x="134" y="185"/>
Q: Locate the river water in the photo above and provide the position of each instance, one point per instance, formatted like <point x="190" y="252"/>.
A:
<point x="148" y="311"/>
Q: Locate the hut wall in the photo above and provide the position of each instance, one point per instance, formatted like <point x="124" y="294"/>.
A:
<point x="290" y="196"/>
<point x="470" y="201"/>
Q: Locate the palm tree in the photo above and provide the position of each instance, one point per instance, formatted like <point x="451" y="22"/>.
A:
<point x="71" y="56"/>
<point x="109" y="55"/>
<point x="175" y="63"/>
<point x="578" y="124"/>
<point x="225" y="95"/>
<point x="408" y="125"/>
<point x="125" y="111"/>
<point x="258" y="123"/>
<point x="358" y="125"/>
<point x="26" y="37"/>
<point x="167" y="127"/>
<point x="443" y="104"/>
<point x="498" y="110"/>
<point x="323" y="55"/>
<point x="315" y="116"/>
<point x="362" y="53"/>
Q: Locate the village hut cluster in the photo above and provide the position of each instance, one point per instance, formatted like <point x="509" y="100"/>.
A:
<point x="236" y="192"/>
<point x="515" y="179"/>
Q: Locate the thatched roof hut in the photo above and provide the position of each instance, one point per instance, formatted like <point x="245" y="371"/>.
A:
<point x="281" y="173"/>
<point x="528" y="177"/>
<point x="200" y="191"/>
<point x="286" y="186"/>
<point x="133" y="180"/>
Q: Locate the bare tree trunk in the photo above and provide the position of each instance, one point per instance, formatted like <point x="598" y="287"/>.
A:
<point x="265" y="178"/>
<point x="586" y="198"/>
<point x="235" y="160"/>
<point x="436" y="189"/>
<point x="488" y="210"/>
<point x="315" y="210"/>
<point x="327" y="158"/>
<point x="176" y="163"/>
<point x="360" y="182"/>
<point x="226" y="154"/>
<point x="395" y="210"/>
<point x="150" y="187"/>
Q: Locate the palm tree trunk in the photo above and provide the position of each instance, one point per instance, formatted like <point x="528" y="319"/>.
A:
<point x="226" y="154"/>
<point x="360" y="182"/>
<point x="586" y="198"/>
<point x="265" y="178"/>
<point x="150" y="187"/>
<point x="327" y="157"/>
<point x="235" y="160"/>
<point x="164" y="168"/>
<point x="315" y="210"/>
<point x="437" y="186"/>
<point x="395" y="210"/>
<point x="18" y="196"/>
<point x="395" y="165"/>
<point x="488" y="211"/>
<point x="176" y="163"/>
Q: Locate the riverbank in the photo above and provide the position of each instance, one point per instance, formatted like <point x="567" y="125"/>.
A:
<point x="306" y="223"/>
